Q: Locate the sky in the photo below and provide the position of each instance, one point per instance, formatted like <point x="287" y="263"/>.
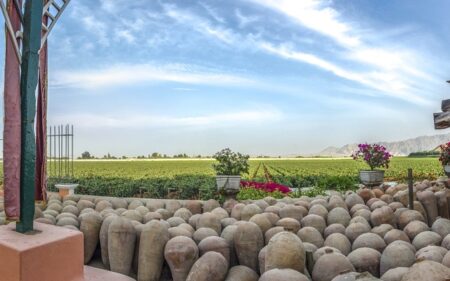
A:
<point x="263" y="77"/>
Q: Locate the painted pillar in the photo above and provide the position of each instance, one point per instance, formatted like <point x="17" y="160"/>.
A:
<point x="29" y="78"/>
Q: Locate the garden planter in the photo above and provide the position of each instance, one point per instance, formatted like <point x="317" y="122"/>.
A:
<point x="66" y="188"/>
<point x="371" y="177"/>
<point x="228" y="183"/>
<point x="447" y="170"/>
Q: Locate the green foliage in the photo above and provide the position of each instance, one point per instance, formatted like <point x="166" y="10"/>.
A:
<point x="195" y="178"/>
<point x="311" y="192"/>
<point x="432" y="153"/>
<point x="180" y="187"/>
<point x="86" y="155"/>
<point x="231" y="163"/>
<point x="254" y="194"/>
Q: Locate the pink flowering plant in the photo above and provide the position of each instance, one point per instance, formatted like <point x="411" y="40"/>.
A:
<point x="444" y="158"/>
<point x="375" y="155"/>
<point x="266" y="186"/>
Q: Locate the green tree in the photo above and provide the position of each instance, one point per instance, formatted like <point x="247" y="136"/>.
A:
<point x="155" y="155"/>
<point x="86" y="155"/>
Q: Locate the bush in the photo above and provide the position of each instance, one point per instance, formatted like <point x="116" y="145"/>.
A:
<point x="179" y="187"/>
<point x="199" y="186"/>
<point x="231" y="163"/>
<point x="255" y="194"/>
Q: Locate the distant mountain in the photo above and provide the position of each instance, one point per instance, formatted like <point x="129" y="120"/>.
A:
<point x="398" y="148"/>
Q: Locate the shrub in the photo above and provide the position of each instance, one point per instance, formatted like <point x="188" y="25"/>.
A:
<point x="444" y="157"/>
<point x="374" y="155"/>
<point x="250" y="193"/>
<point x="231" y="163"/>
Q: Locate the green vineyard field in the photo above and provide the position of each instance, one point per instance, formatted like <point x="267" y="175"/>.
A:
<point x="195" y="178"/>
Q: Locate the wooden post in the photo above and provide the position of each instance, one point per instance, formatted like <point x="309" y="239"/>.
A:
<point x="29" y="77"/>
<point x="410" y="189"/>
<point x="309" y="261"/>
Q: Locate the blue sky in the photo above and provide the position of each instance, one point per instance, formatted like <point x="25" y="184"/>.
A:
<point x="273" y="77"/>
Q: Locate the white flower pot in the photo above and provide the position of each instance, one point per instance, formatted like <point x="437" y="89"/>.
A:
<point x="447" y="170"/>
<point x="228" y="183"/>
<point x="371" y="178"/>
<point x="66" y="188"/>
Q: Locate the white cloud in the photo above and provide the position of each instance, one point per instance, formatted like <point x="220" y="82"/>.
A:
<point x="316" y="15"/>
<point x="125" y="35"/>
<point x="201" y="25"/>
<point x="387" y="83"/>
<point x="128" y="74"/>
<point x="387" y="66"/>
<point x="212" y="12"/>
<point x="143" y="120"/>
<point x="244" y="20"/>
<point x="97" y="28"/>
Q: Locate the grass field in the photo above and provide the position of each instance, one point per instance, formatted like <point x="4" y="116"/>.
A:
<point x="138" y="169"/>
<point x="194" y="178"/>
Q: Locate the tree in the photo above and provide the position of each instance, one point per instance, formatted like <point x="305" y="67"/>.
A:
<point x="155" y="155"/>
<point x="86" y="155"/>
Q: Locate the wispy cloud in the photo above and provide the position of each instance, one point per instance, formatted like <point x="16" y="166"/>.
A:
<point x="144" y="120"/>
<point x="213" y="12"/>
<point x="97" y="28"/>
<point x="129" y="74"/>
<point x="244" y="20"/>
<point x="389" y="67"/>
<point x="316" y="15"/>
<point x="384" y="82"/>
<point x="200" y="24"/>
<point x="125" y="35"/>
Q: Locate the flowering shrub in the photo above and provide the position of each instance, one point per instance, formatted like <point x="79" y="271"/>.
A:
<point x="444" y="158"/>
<point x="230" y="163"/>
<point x="374" y="155"/>
<point x="266" y="186"/>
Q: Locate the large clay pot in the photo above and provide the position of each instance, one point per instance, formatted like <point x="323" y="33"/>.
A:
<point x="104" y="240"/>
<point x="180" y="253"/>
<point x="90" y="226"/>
<point x="248" y="241"/>
<point x="121" y="240"/>
<point x="212" y="266"/>
<point x="154" y="237"/>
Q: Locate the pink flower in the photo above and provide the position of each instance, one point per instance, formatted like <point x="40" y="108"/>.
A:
<point x="374" y="155"/>
<point x="268" y="186"/>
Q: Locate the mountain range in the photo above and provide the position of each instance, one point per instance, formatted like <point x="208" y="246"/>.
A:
<point x="397" y="148"/>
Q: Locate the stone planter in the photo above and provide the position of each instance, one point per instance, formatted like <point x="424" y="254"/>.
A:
<point x="66" y="188"/>
<point x="447" y="170"/>
<point x="371" y="178"/>
<point x="229" y="185"/>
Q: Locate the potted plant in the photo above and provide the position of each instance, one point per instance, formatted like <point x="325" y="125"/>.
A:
<point x="444" y="158"/>
<point x="376" y="156"/>
<point x="229" y="169"/>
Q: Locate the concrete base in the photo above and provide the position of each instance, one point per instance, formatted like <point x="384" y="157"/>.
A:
<point x="50" y="254"/>
<point x="95" y="274"/>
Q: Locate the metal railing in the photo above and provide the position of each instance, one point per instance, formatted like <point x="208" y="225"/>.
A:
<point x="60" y="151"/>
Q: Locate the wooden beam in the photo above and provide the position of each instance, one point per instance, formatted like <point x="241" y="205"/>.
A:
<point x="29" y="78"/>
<point x="445" y="105"/>
<point x="441" y="120"/>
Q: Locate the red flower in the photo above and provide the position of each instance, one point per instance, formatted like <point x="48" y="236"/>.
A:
<point x="266" y="186"/>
